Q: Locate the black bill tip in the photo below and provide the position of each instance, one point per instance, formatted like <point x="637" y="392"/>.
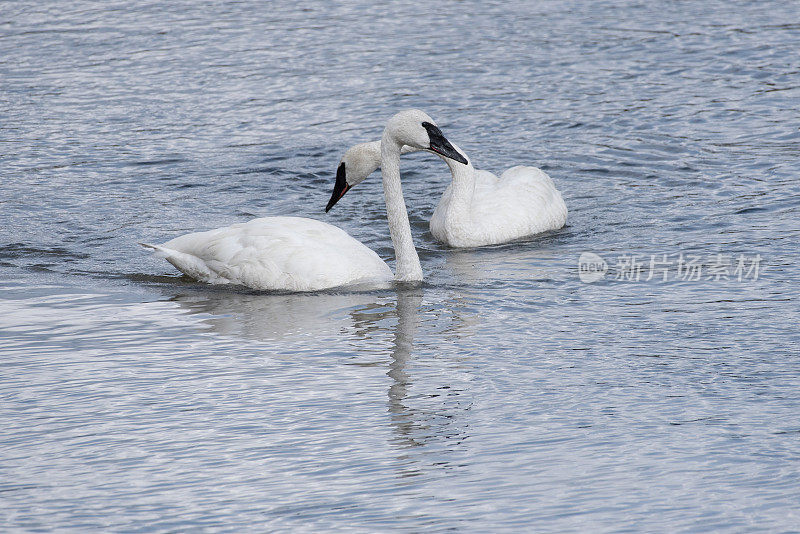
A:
<point x="339" y="189"/>
<point x="442" y="146"/>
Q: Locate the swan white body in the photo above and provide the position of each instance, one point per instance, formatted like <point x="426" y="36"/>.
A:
<point x="478" y="208"/>
<point x="276" y="253"/>
<point x="298" y="254"/>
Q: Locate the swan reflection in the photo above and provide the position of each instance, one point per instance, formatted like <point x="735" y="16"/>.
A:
<point x="506" y="263"/>
<point x="269" y="317"/>
<point x="427" y="403"/>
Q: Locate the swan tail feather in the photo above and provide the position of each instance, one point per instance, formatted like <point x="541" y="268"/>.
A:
<point x="158" y="250"/>
<point x="187" y="263"/>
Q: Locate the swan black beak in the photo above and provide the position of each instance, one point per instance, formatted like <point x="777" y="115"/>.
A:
<point x="442" y="146"/>
<point x="339" y="189"/>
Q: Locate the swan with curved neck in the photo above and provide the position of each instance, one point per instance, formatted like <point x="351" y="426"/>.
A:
<point x="299" y="254"/>
<point x="477" y="208"/>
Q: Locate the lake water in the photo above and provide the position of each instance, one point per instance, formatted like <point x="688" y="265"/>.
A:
<point x="504" y="393"/>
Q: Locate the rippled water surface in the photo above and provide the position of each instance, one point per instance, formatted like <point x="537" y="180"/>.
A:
<point x="503" y="394"/>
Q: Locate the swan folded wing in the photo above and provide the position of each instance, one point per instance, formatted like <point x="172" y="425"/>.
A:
<point x="524" y="201"/>
<point x="306" y="255"/>
<point x="485" y="180"/>
<point x="544" y="207"/>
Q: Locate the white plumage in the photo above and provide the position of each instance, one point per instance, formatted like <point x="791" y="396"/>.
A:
<point x="276" y="253"/>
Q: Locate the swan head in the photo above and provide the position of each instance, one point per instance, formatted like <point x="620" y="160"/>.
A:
<point x="417" y="130"/>
<point x="357" y="163"/>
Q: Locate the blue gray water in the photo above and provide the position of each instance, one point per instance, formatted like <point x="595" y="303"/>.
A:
<point x="503" y="394"/>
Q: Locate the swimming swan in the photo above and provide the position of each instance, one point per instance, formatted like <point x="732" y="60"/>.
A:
<point x="299" y="254"/>
<point x="477" y="208"/>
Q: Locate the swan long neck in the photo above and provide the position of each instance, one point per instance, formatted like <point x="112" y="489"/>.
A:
<point x="407" y="268"/>
<point x="463" y="177"/>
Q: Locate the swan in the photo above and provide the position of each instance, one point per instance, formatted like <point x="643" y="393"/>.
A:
<point x="299" y="254"/>
<point x="477" y="208"/>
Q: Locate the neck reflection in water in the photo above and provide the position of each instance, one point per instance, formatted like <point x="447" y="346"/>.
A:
<point x="408" y="310"/>
<point x="427" y="405"/>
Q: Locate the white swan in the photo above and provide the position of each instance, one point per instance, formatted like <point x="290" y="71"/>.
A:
<point x="298" y="254"/>
<point x="477" y="208"/>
